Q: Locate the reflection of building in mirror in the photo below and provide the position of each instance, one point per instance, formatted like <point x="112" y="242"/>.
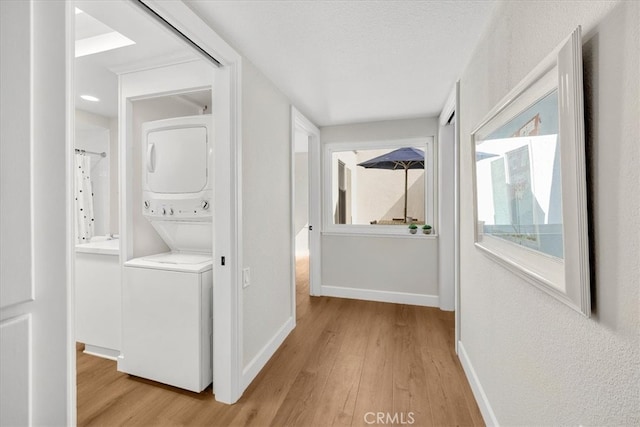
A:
<point x="376" y="194"/>
<point x="531" y="128"/>
<point x="519" y="183"/>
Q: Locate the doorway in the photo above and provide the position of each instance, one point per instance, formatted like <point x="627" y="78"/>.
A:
<point x="305" y="206"/>
<point x="301" y="211"/>
<point x="111" y="41"/>
<point x="152" y="46"/>
<point x="449" y="242"/>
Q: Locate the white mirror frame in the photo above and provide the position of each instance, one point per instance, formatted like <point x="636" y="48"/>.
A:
<point x="566" y="279"/>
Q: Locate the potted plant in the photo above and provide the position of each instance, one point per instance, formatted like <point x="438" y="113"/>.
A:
<point x="426" y="229"/>
<point x="413" y="228"/>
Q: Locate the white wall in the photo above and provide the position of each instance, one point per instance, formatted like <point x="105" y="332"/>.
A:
<point x="114" y="200"/>
<point x="266" y="218"/>
<point x="146" y="240"/>
<point x="393" y="268"/>
<point x="539" y="362"/>
<point x="381" y="131"/>
<point x="87" y="120"/>
<point x="405" y="264"/>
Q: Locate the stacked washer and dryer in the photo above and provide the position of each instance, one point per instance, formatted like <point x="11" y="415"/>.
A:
<point x="167" y="316"/>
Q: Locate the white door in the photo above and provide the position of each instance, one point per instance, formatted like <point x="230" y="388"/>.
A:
<point x="34" y="341"/>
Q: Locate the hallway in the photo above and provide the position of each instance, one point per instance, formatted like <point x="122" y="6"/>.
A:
<point x="346" y="363"/>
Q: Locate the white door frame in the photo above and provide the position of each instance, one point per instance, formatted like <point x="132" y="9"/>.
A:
<point x="227" y="122"/>
<point x="456" y="214"/>
<point x="300" y="123"/>
<point x="451" y="107"/>
<point x="70" y="145"/>
<point x="227" y="296"/>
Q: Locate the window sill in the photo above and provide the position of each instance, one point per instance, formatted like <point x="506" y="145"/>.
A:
<point x="367" y="233"/>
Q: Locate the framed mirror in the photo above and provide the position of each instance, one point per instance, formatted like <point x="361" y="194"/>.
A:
<point x="530" y="179"/>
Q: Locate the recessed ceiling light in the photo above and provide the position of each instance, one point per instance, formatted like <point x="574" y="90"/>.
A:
<point x="90" y="98"/>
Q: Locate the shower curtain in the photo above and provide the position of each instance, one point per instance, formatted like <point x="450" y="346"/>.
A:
<point x="84" y="199"/>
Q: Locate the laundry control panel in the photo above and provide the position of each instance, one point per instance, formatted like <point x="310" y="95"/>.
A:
<point x="177" y="209"/>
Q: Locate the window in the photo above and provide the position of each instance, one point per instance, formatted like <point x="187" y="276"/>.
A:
<point x="379" y="187"/>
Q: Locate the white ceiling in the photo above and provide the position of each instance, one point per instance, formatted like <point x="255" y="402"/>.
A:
<point x="338" y="61"/>
<point x="94" y="74"/>
<point x="354" y="61"/>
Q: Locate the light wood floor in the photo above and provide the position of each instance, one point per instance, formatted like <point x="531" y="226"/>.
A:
<point x="345" y="358"/>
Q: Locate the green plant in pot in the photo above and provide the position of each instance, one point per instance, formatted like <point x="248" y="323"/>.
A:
<point x="426" y="229"/>
<point x="413" y="228"/>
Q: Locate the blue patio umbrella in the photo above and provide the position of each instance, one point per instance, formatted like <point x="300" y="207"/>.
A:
<point x="401" y="159"/>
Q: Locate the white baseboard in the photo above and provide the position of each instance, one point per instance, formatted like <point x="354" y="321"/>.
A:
<point x="106" y="353"/>
<point x="478" y="392"/>
<point x="381" y="296"/>
<point x="257" y="363"/>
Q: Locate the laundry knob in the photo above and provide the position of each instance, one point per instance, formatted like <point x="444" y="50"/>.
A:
<point x="170" y="211"/>
<point x="146" y="204"/>
<point x="205" y="205"/>
<point x="164" y="211"/>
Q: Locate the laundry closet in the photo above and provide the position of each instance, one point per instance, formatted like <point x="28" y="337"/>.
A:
<point x="147" y="301"/>
<point x="167" y="188"/>
<point x="167" y="297"/>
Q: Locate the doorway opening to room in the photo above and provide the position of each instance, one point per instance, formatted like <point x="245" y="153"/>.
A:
<point x="449" y="242"/>
<point x="136" y="71"/>
<point x="305" y="207"/>
<point x="301" y="211"/>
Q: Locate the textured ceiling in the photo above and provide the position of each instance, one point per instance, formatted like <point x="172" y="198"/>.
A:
<point x="354" y="61"/>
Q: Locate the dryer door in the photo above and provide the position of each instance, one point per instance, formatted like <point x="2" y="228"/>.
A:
<point x="176" y="160"/>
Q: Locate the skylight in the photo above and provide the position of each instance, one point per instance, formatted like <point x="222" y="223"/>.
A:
<point x="93" y="36"/>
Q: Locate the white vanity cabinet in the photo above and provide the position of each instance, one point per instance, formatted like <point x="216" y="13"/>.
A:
<point x="98" y="298"/>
